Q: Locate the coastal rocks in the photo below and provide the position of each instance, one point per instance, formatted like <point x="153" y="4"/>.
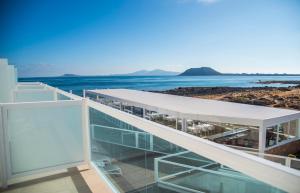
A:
<point x="261" y="101"/>
<point x="296" y="82"/>
<point x="264" y="96"/>
<point x="197" y="91"/>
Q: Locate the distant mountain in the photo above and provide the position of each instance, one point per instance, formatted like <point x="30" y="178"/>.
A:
<point x="203" y="71"/>
<point x="70" y="75"/>
<point x="156" y="72"/>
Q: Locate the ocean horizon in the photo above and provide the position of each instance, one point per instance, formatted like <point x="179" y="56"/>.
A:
<point x="157" y="83"/>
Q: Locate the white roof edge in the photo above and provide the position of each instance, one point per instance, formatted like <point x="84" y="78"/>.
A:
<point x="244" y="115"/>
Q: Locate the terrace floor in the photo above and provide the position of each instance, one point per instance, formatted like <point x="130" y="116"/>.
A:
<point x="74" y="180"/>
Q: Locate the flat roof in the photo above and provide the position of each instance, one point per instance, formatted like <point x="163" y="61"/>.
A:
<point x="202" y="109"/>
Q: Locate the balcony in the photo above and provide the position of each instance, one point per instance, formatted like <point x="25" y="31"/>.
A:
<point x="54" y="141"/>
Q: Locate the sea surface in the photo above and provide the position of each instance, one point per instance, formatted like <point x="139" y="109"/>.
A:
<point x="77" y="84"/>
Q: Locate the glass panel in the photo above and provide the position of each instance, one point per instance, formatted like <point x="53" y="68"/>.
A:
<point x="283" y="132"/>
<point x="42" y="137"/>
<point x="187" y="175"/>
<point x="295" y="164"/>
<point x="237" y="135"/>
<point x="136" y="161"/>
<point x="271" y="136"/>
<point x="31" y="96"/>
<point x="293" y="128"/>
<point x="275" y="159"/>
<point x="280" y="133"/>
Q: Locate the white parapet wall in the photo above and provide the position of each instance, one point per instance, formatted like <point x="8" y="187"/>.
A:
<point x="8" y="81"/>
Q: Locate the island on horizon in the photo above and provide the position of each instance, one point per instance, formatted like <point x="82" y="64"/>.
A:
<point x="201" y="71"/>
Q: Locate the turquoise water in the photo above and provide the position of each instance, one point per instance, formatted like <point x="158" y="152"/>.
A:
<point x="77" y="84"/>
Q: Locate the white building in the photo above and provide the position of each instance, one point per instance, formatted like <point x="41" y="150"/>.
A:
<point x="283" y="123"/>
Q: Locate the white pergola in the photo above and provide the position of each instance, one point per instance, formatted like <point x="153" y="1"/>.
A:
<point x="204" y="109"/>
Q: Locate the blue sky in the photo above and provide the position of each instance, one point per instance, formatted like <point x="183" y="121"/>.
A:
<point x="47" y="38"/>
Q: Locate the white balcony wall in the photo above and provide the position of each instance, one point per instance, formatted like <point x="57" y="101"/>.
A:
<point x="41" y="136"/>
<point x="29" y="86"/>
<point x="32" y="95"/>
<point x="7" y="81"/>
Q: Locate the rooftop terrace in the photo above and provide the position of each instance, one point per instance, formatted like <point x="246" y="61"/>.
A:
<point x="201" y="109"/>
<point x="46" y="132"/>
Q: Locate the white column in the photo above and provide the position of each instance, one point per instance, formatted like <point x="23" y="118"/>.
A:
<point x="184" y="125"/>
<point x="136" y="140"/>
<point x="86" y="131"/>
<point x="288" y="161"/>
<point x="143" y="112"/>
<point x="262" y="139"/>
<point x="151" y="142"/>
<point x="156" y="177"/>
<point x="83" y="93"/>
<point x="71" y="91"/>
<point x="277" y="134"/>
<point x="298" y="128"/>
<point x="176" y="123"/>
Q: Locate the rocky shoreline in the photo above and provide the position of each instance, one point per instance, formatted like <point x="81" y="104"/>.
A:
<point x="296" y="82"/>
<point x="281" y="97"/>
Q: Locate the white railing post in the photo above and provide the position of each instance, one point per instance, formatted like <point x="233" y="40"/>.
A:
<point x="298" y="128"/>
<point x="143" y="112"/>
<point x="83" y="93"/>
<point x="86" y="131"/>
<point x="151" y="142"/>
<point x="156" y="169"/>
<point x="288" y="161"/>
<point x="136" y="140"/>
<point x="184" y="125"/>
<point x="277" y="133"/>
<point x="262" y="139"/>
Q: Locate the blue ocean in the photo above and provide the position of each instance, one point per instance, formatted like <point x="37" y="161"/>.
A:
<point x="77" y="84"/>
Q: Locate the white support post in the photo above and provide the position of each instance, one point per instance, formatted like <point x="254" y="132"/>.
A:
<point x="143" y="112"/>
<point x="288" y="161"/>
<point x="151" y="142"/>
<point x="184" y="125"/>
<point x="86" y="131"/>
<point x="262" y="139"/>
<point x="298" y="128"/>
<point x="289" y="128"/>
<point x="71" y="91"/>
<point x="176" y="126"/>
<point x="277" y="133"/>
<point x="156" y="169"/>
<point x="137" y="140"/>
<point x="83" y="93"/>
